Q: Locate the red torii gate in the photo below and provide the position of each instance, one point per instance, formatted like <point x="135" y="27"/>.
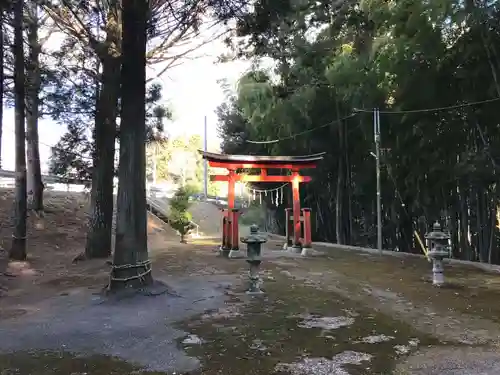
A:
<point x="230" y="239"/>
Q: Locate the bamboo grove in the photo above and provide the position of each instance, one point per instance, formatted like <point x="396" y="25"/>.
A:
<point x="432" y="68"/>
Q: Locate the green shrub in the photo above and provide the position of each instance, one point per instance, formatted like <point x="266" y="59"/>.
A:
<point x="180" y="218"/>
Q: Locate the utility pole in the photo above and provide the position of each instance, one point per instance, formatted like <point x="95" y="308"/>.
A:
<point x="205" y="165"/>
<point x="376" y="129"/>
<point x="155" y="150"/>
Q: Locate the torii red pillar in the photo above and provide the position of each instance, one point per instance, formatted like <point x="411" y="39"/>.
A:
<point x="232" y="227"/>
<point x="230" y="189"/>
<point x="233" y="163"/>
<point x="296" y="209"/>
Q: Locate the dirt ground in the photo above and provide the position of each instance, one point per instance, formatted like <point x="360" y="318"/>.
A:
<point x="339" y="312"/>
<point x="53" y="242"/>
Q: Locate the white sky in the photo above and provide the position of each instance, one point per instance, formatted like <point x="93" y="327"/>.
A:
<point x="191" y="90"/>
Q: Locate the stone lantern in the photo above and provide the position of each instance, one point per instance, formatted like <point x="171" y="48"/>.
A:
<point x="254" y="248"/>
<point x="438" y="245"/>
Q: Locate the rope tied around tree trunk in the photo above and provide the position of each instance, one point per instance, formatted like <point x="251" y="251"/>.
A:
<point x="146" y="264"/>
<point x="126" y="266"/>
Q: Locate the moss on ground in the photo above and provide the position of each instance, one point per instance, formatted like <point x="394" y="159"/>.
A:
<point x="468" y="289"/>
<point x="267" y="333"/>
<point x="62" y="363"/>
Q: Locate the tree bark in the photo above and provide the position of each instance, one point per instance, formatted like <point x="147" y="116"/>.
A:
<point x="349" y="217"/>
<point x="454" y="229"/>
<point x="131" y="268"/>
<point x="34" y="177"/>
<point x="1" y="79"/>
<point x="491" y="233"/>
<point x="340" y="206"/>
<point x="464" y="224"/>
<point x="393" y="228"/>
<point x="99" y="235"/>
<point x="482" y="211"/>
<point x="18" y="248"/>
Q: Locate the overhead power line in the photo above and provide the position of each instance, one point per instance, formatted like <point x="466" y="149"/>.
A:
<point x="437" y="109"/>
<point x="363" y="110"/>
<point x="302" y="132"/>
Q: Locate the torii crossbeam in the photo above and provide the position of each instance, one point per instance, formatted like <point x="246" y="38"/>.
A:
<point x="233" y="163"/>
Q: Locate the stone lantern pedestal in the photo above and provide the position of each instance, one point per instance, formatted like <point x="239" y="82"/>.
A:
<point x="254" y="248"/>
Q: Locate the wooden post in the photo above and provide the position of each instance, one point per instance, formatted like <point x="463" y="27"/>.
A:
<point x="288" y="229"/>
<point x="235" y="231"/>
<point x="230" y="206"/>
<point x="307" y="238"/>
<point x="225" y="232"/>
<point x="296" y="211"/>
<point x="229" y="230"/>
<point x="235" y="241"/>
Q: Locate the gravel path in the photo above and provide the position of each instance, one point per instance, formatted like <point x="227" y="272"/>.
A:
<point x="137" y="329"/>
<point x="451" y="361"/>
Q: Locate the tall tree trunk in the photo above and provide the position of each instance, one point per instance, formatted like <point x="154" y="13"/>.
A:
<point x="393" y="232"/>
<point x="340" y="206"/>
<point x="1" y="78"/>
<point x="339" y="209"/>
<point x="34" y="178"/>
<point x="18" y="249"/>
<point x="349" y="217"/>
<point x="493" y="255"/>
<point x="454" y="229"/>
<point x="464" y="224"/>
<point x="492" y="229"/>
<point x="99" y="235"/>
<point x="482" y="217"/>
<point x="131" y="267"/>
